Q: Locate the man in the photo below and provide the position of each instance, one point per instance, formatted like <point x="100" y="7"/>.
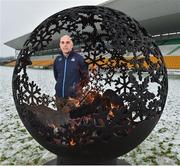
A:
<point x="70" y="70"/>
<point x="71" y="74"/>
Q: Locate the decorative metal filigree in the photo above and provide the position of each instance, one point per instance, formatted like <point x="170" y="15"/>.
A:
<point x="127" y="85"/>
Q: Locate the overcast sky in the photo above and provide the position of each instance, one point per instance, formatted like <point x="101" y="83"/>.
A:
<point x="19" y="17"/>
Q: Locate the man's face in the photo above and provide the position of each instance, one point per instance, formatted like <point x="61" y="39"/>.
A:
<point x="66" y="44"/>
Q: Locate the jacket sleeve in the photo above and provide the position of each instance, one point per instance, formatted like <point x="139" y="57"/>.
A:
<point x="84" y="73"/>
<point x="55" y="69"/>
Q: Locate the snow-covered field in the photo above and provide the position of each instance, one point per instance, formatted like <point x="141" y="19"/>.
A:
<point x="162" y="146"/>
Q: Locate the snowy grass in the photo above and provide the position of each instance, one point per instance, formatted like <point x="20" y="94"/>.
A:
<point x="17" y="146"/>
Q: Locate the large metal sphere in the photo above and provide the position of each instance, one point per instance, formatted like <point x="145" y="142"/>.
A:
<point x="127" y="73"/>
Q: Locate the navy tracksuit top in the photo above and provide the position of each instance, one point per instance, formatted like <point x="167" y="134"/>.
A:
<point x="68" y="73"/>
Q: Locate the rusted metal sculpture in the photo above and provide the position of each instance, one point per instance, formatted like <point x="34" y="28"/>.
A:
<point x="121" y="103"/>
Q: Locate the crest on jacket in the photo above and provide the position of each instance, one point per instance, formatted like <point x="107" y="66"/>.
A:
<point x="73" y="59"/>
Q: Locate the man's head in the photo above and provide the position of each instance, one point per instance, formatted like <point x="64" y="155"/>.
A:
<point x="66" y="44"/>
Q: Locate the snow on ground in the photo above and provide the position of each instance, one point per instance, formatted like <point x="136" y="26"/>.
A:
<point x="17" y="146"/>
